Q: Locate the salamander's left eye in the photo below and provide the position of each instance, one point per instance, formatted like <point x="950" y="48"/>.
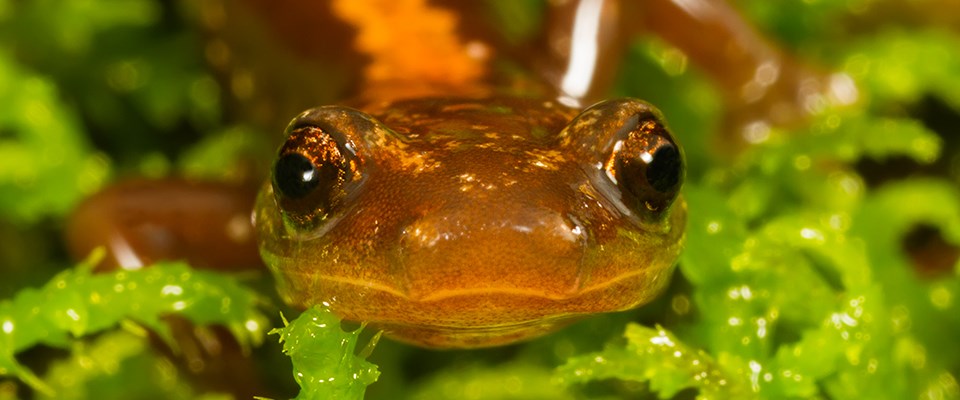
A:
<point x="646" y="165"/>
<point x="312" y="174"/>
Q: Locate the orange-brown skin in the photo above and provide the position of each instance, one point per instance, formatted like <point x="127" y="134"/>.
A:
<point x="143" y="221"/>
<point x="468" y="215"/>
<point x="472" y="209"/>
<point x="478" y="222"/>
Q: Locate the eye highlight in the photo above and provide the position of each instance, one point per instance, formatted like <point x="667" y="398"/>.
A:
<point x="647" y="166"/>
<point x="312" y="174"/>
<point x="295" y="176"/>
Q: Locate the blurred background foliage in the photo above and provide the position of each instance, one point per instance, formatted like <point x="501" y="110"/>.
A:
<point x="821" y="262"/>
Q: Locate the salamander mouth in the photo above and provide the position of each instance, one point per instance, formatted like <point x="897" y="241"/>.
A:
<point x="469" y="317"/>
<point x="482" y="308"/>
<point x="446" y="294"/>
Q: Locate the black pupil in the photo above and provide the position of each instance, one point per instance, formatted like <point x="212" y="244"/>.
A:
<point x="663" y="173"/>
<point x="295" y="175"/>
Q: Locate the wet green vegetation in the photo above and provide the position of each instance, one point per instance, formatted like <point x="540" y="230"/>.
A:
<point x="820" y="262"/>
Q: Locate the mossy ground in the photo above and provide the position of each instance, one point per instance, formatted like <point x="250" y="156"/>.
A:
<point x="808" y="270"/>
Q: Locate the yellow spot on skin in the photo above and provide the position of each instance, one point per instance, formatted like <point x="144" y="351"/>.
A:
<point x="416" y="163"/>
<point x="545" y="159"/>
<point x="400" y="34"/>
<point x="398" y="152"/>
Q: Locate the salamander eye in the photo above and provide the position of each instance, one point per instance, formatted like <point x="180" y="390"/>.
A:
<point x="295" y="176"/>
<point x="647" y="166"/>
<point x="313" y="174"/>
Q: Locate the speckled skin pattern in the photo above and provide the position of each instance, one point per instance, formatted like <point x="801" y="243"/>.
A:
<point x="472" y="222"/>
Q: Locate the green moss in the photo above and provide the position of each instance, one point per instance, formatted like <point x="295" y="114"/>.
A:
<point x="657" y="357"/>
<point x="77" y="303"/>
<point x="794" y="284"/>
<point x="324" y="363"/>
<point x="46" y="164"/>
